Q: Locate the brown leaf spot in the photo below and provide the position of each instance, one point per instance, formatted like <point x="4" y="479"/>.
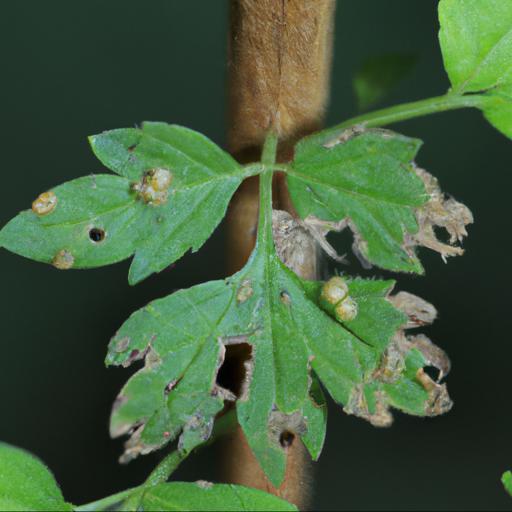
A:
<point x="63" y="260"/>
<point x="245" y="292"/>
<point x="122" y="344"/>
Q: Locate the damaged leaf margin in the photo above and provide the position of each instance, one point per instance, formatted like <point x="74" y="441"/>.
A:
<point x="172" y="189"/>
<point x="367" y="180"/>
<point x="367" y="364"/>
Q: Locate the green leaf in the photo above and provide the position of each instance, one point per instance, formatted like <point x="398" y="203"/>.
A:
<point x="266" y="306"/>
<point x="378" y="75"/>
<point x="26" y="483"/>
<point x="507" y="481"/>
<point x="103" y="219"/>
<point x="476" y="41"/>
<point x="368" y="181"/>
<point x="206" y="496"/>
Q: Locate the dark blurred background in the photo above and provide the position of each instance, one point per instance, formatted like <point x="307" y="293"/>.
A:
<point x="70" y="69"/>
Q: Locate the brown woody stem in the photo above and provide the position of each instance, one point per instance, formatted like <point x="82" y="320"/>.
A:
<point x="279" y="70"/>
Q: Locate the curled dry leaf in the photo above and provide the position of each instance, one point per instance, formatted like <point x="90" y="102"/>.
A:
<point x="440" y="211"/>
<point x="419" y="312"/>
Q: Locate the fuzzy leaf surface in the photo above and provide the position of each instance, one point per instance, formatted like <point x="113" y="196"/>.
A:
<point x="293" y="343"/>
<point x="203" y="179"/>
<point x="26" y="483"/>
<point x="476" y="41"/>
<point x="367" y="180"/>
<point x="215" y="497"/>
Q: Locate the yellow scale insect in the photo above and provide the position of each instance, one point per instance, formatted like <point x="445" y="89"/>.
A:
<point x="335" y="297"/>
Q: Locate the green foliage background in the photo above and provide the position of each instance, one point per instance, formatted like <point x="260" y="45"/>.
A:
<point x="73" y="69"/>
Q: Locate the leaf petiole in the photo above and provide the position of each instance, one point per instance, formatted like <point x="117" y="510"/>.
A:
<point x="403" y="112"/>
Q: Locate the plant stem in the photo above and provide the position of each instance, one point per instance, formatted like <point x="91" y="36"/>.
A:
<point x="166" y="468"/>
<point x="107" y="502"/>
<point x="268" y="159"/>
<point x="402" y="112"/>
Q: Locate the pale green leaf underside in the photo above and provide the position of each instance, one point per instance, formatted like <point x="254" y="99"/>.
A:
<point x="203" y="180"/>
<point x="26" y="483"/>
<point x="507" y="481"/>
<point x="272" y="310"/>
<point x="202" y="496"/>
<point x="476" y="41"/>
<point x="378" y="76"/>
<point x="369" y="181"/>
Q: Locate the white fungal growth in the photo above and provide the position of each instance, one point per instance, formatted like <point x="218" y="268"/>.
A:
<point x="153" y="188"/>
<point x="45" y="203"/>
<point x="63" y="260"/>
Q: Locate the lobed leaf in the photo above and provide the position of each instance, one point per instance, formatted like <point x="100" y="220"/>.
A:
<point x="367" y="181"/>
<point x="102" y="219"/>
<point x="476" y="42"/>
<point x="293" y="342"/>
<point x="26" y="483"/>
<point x="206" y="496"/>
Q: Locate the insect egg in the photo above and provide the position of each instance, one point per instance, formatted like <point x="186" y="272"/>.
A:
<point x="45" y="203"/>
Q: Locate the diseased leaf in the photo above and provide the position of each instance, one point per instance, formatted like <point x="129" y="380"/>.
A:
<point x="367" y="180"/>
<point x="172" y="192"/>
<point x="476" y="41"/>
<point x="26" y="483"/>
<point x="507" y="481"/>
<point x="202" y="496"/>
<point x="378" y="75"/>
<point x="183" y="338"/>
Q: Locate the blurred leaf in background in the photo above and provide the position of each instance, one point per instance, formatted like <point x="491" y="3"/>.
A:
<point x="378" y="75"/>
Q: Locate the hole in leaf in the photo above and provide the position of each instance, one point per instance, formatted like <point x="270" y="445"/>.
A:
<point x="233" y="372"/>
<point x="132" y="148"/>
<point x="432" y="372"/>
<point x="286" y="439"/>
<point x="97" y="235"/>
